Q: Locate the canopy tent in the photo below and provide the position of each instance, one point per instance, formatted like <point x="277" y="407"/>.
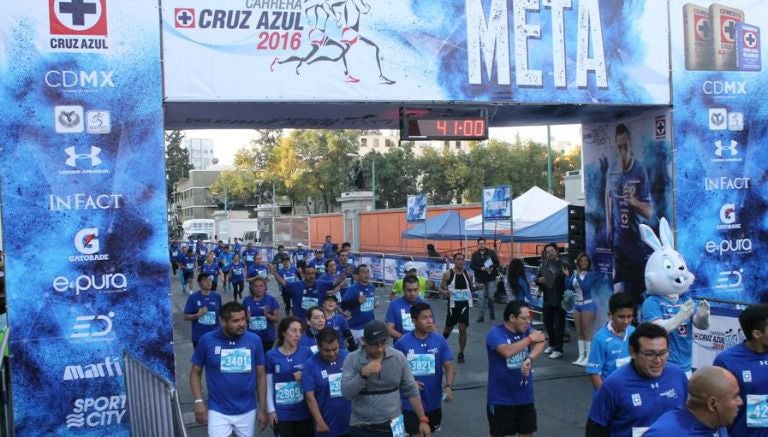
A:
<point x="552" y="228"/>
<point x="446" y="226"/>
<point x="529" y="208"/>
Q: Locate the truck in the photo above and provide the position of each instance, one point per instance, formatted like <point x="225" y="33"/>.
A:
<point x="196" y="229"/>
<point x="228" y="230"/>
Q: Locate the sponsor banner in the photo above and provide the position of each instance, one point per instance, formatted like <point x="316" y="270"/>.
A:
<point x="724" y="331"/>
<point x="580" y="51"/>
<point x="717" y="52"/>
<point x="497" y="203"/>
<point x="84" y="209"/>
<point x="416" y="208"/>
<point x="375" y="262"/>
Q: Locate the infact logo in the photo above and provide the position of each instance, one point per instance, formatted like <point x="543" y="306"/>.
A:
<point x="78" y="17"/>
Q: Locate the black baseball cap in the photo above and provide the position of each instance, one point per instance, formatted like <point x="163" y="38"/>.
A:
<point x="375" y="332"/>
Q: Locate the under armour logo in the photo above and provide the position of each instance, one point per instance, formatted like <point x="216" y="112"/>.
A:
<point x="73" y="156"/>
<point x="731" y="148"/>
<point x="654" y="385"/>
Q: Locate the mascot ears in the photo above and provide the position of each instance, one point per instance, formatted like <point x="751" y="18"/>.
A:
<point x="649" y="237"/>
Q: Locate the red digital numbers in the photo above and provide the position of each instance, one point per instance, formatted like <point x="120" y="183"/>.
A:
<point x="442" y="127"/>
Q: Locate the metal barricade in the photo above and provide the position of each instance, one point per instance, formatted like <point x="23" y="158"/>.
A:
<point x="153" y="403"/>
<point x="5" y="388"/>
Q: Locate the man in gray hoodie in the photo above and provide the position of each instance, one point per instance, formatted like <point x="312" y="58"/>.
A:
<point x="372" y="380"/>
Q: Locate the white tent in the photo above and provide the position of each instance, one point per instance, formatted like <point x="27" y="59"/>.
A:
<point x="529" y="208"/>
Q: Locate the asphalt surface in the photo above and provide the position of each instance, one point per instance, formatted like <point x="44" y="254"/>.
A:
<point x="563" y="392"/>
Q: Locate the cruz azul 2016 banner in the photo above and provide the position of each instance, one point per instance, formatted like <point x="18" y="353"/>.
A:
<point x="84" y="209"/>
<point x="720" y="134"/>
<point x="558" y="51"/>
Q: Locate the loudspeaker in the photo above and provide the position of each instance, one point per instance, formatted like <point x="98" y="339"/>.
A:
<point x="577" y="240"/>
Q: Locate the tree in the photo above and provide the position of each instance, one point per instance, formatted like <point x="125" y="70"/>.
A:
<point x="444" y="176"/>
<point x="177" y="164"/>
<point x="396" y="174"/>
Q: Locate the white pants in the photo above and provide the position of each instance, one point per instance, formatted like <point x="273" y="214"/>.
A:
<point x="222" y="425"/>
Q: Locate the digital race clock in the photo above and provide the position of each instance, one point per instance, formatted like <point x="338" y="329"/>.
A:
<point x="431" y="126"/>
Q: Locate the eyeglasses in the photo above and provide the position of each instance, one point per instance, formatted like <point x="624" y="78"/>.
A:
<point x="652" y="354"/>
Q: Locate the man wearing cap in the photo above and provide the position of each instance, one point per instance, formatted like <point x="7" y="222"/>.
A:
<point x="411" y="270"/>
<point x="372" y="379"/>
<point x="318" y="262"/>
<point x="300" y="256"/>
<point x="398" y="316"/>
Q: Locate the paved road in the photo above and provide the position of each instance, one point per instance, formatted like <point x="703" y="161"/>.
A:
<point x="563" y="392"/>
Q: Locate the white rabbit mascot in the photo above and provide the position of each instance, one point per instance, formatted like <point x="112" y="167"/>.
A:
<point x="667" y="279"/>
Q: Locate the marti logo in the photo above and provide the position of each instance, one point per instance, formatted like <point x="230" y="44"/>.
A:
<point x="75" y="23"/>
<point x="109" y="368"/>
<point x="87" y="243"/>
<point x="97" y="412"/>
<point x="728" y="217"/>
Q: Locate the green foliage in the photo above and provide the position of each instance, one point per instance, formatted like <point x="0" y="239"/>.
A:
<point x="177" y="164"/>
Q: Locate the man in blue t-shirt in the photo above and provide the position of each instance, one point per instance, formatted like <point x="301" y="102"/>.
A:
<point x="398" y="317"/>
<point x="429" y="356"/>
<point x="249" y="254"/>
<point x="713" y="403"/>
<point x="512" y="348"/>
<point x="626" y="204"/>
<point x="202" y="307"/>
<point x="328" y="248"/>
<point x="610" y="344"/>
<point x="187" y="262"/>
<point x="321" y="382"/>
<point x="233" y="360"/>
<point x="304" y="294"/>
<point x="360" y="300"/>
<point x="300" y="256"/>
<point x="748" y="362"/>
<point x="256" y="269"/>
<point x="318" y="262"/>
<point x="637" y="394"/>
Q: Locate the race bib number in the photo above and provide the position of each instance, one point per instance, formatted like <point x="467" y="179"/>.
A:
<point x="757" y="411"/>
<point x="407" y="320"/>
<point x="190" y="266"/>
<point x="288" y="393"/>
<point x="397" y="425"/>
<point x="257" y="323"/>
<point x="208" y="318"/>
<point x="308" y="302"/>
<point x="516" y="361"/>
<point x="461" y="295"/>
<point x="368" y="304"/>
<point x="622" y="361"/>
<point x="299" y="257"/>
<point x="249" y="258"/>
<point x="235" y="360"/>
<point x="320" y="268"/>
<point x="262" y="274"/>
<point x="334" y="384"/>
<point x="237" y="271"/>
<point x="174" y="253"/>
<point x="638" y="431"/>
<point x="290" y="278"/>
<point x="422" y="364"/>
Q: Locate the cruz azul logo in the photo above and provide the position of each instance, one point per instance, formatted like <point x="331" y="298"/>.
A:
<point x="110" y="367"/>
<point x="97" y="412"/>
<point x="87" y="243"/>
<point x="93" y="326"/>
<point x="78" y="24"/>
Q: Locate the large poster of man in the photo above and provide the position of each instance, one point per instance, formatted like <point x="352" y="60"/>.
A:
<point x="628" y="171"/>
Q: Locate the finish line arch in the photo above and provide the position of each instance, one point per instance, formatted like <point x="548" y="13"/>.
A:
<point x="89" y="85"/>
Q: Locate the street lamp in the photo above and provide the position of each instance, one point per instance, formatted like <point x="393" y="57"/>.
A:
<point x="373" y="176"/>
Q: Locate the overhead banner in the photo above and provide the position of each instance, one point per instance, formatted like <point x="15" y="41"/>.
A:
<point x="628" y="182"/>
<point x="84" y="209"/>
<point x="720" y="133"/>
<point x="576" y="51"/>
<point x="497" y="203"/>
<point x="416" y="209"/>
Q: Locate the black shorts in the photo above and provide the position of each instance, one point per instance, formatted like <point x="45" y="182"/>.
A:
<point x="458" y="314"/>
<point x="625" y="270"/>
<point x="295" y="428"/>
<point x="511" y="419"/>
<point x="187" y="275"/>
<point x="412" y="420"/>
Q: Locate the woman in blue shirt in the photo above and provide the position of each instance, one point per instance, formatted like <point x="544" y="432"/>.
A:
<point x="263" y="311"/>
<point x="582" y="281"/>
<point x="211" y="268"/>
<point x="237" y="278"/>
<point x="519" y="289"/>
<point x="315" y="322"/>
<point x="288" y="412"/>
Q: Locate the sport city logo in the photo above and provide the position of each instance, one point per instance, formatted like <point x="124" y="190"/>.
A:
<point x="728" y="217"/>
<point x="109" y="368"/>
<point x="721" y="119"/>
<point x="78" y="24"/>
<point x="72" y="119"/>
<point x="97" y="412"/>
<point x="87" y="243"/>
<point x="92" y="326"/>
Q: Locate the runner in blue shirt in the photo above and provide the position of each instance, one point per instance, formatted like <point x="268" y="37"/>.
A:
<point x="249" y="254"/>
<point x="233" y="360"/>
<point x="328" y="248"/>
<point x="610" y="344"/>
<point x="237" y="247"/>
<point x="344" y="264"/>
<point x="338" y="322"/>
<point x="637" y="394"/>
<point x="315" y="323"/>
<point x="258" y="269"/>
<point x="225" y="259"/>
<point x="512" y="348"/>
<point x="288" y="412"/>
<point x="187" y="262"/>
<point x="202" y="251"/>
<point x="211" y="268"/>
<point x="300" y="256"/>
<point x="360" y="300"/>
<point x="334" y="281"/>
<point x="174" y="252"/>
<point x="304" y="294"/>
<point x="748" y="362"/>
<point x="263" y="313"/>
<point x="398" y="317"/>
<point x="237" y="277"/>
<point x="713" y="403"/>
<point x="318" y="262"/>
<point x="321" y="382"/>
<point x="202" y="308"/>
<point x="428" y="355"/>
<point x="661" y="309"/>
<point x="290" y="274"/>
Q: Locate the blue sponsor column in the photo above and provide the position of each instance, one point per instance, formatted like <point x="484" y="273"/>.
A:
<point x="84" y="209"/>
<point x="720" y="133"/>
